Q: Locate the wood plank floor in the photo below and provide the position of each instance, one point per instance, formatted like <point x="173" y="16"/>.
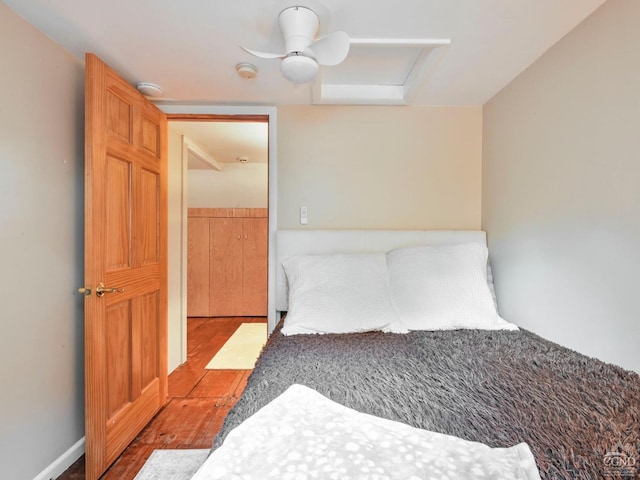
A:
<point x="199" y="399"/>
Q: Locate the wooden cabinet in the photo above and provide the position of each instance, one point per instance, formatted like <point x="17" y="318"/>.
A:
<point x="227" y="262"/>
<point x="198" y="267"/>
<point x="254" y="266"/>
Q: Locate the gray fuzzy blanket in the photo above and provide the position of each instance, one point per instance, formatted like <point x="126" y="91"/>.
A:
<point x="495" y="387"/>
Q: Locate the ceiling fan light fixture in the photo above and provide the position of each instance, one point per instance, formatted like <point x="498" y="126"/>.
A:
<point x="299" y="69"/>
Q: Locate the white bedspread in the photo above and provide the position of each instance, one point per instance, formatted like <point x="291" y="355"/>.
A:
<point x="303" y="435"/>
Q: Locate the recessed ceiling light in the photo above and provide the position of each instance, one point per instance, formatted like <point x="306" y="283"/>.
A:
<point x="149" y="89"/>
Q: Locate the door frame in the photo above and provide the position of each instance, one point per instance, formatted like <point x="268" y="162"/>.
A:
<point x="209" y="112"/>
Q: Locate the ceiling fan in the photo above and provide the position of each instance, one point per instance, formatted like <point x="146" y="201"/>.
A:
<point x="303" y="54"/>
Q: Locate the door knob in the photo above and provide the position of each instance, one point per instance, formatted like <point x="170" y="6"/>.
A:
<point x="101" y="290"/>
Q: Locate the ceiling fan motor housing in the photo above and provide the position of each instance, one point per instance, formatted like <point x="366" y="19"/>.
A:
<point x="299" y="27"/>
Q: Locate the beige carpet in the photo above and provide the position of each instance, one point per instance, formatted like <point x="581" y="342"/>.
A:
<point x="172" y="464"/>
<point x="242" y="349"/>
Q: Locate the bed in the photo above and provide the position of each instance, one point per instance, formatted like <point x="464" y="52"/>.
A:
<point x="498" y="386"/>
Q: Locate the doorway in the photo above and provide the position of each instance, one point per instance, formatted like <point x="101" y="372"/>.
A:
<point x="194" y="149"/>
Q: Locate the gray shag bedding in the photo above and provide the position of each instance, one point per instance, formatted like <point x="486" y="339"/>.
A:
<point x="495" y="387"/>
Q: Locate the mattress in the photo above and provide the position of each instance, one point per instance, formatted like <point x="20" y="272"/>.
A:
<point x="579" y="416"/>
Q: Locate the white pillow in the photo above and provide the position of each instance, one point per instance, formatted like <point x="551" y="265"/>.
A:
<point x="340" y="293"/>
<point x="443" y="287"/>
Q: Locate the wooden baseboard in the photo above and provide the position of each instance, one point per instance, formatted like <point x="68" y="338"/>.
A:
<point x="63" y="462"/>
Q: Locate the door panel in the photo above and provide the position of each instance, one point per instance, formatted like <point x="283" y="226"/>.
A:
<point x="118" y="204"/>
<point x="198" y="267"/>
<point x="151" y="136"/>
<point x="118" y="117"/>
<point x="225" y="266"/>
<point x="254" y="266"/>
<point x="125" y="248"/>
<point x="149" y="209"/>
<point x="118" y="326"/>
<point x="149" y="332"/>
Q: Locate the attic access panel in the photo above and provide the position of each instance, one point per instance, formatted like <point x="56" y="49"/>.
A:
<point x="379" y="72"/>
<point x="381" y="66"/>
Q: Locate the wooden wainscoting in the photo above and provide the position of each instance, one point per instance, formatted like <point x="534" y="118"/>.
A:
<point x="227" y="262"/>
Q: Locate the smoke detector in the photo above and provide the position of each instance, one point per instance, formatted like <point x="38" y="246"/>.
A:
<point x="247" y="70"/>
<point x="149" y="89"/>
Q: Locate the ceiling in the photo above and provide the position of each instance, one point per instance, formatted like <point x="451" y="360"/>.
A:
<point x="190" y="47"/>
<point x="219" y="142"/>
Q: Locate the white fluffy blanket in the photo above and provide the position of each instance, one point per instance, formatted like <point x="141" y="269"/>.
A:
<point x="303" y="435"/>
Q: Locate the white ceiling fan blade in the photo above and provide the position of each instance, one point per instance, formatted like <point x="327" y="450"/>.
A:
<point x="330" y="49"/>
<point x="256" y="53"/>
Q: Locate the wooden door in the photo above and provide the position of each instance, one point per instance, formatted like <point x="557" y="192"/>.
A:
<point x="254" y="266"/>
<point x="198" y="267"/>
<point x="125" y="249"/>
<point x="225" y="266"/>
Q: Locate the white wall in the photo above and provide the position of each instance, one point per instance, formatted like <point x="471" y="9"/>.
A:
<point x="561" y="189"/>
<point x="41" y="249"/>
<point x="238" y="185"/>
<point x="380" y="167"/>
<point x="176" y="307"/>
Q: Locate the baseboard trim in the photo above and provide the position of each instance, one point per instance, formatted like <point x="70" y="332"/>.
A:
<point x="63" y="462"/>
